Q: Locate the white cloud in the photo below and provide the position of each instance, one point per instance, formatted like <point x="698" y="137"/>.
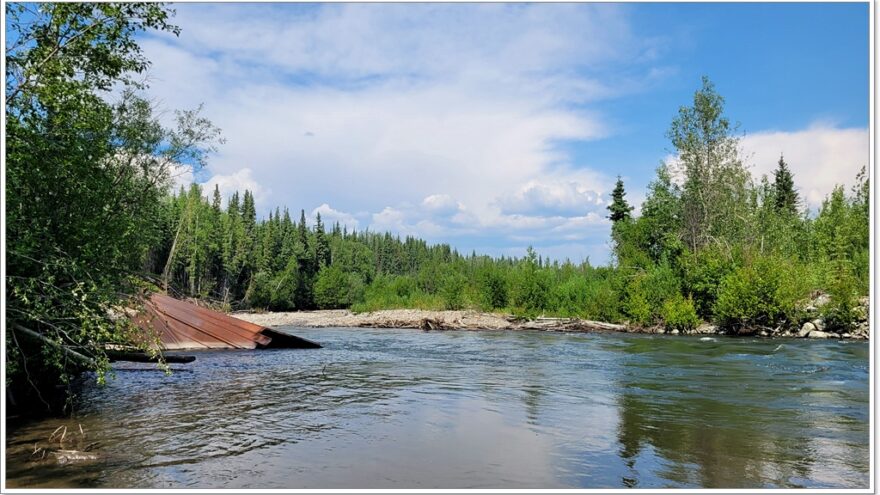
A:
<point x="330" y="216"/>
<point x="819" y="157"/>
<point x="441" y="204"/>
<point x="564" y="197"/>
<point x="456" y="109"/>
<point x="240" y="181"/>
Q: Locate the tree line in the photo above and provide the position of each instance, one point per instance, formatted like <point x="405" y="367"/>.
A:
<point x="711" y="244"/>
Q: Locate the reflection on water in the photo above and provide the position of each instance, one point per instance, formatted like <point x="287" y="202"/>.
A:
<point x="407" y="409"/>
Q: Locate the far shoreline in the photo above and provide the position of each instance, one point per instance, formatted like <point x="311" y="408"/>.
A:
<point x="473" y="320"/>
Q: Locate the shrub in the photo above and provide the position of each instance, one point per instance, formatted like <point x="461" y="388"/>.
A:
<point x="492" y="289"/>
<point x="332" y="288"/>
<point x="258" y="294"/>
<point x="531" y="286"/>
<point x="647" y="292"/>
<point x="638" y="309"/>
<point x="283" y="290"/>
<point x="679" y="313"/>
<point x="764" y="292"/>
<point x="703" y="273"/>
<point x="452" y="290"/>
<point x="602" y="301"/>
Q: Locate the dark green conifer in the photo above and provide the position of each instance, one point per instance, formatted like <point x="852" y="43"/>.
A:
<point x="619" y="208"/>
<point x="783" y="185"/>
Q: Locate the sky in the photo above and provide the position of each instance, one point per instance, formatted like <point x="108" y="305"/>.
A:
<point x="493" y="127"/>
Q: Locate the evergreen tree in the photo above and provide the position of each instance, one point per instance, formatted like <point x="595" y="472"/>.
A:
<point x="322" y="246"/>
<point x="619" y="208"/>
<point x="783" y="184"/>
<point x="216" y="202"/>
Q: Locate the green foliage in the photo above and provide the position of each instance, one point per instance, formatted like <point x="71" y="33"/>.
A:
<point x="492" y="288"/>
<point x="638" y="309"/>
<point x="619" y="208"/>
<point x="703" y="273"/>
<point x="714" y="197"/>
<point x="259" y="291"/>
<point x="452" y="290"/>
<point x="764" y="292"/>
<point x="679" y="313"/>
<point x="647" y="291"/>
<point x="332" y="288"/>
<point x="530" y="285"/>
<point x="84" y="178"/>
<point x="786" y="198"/>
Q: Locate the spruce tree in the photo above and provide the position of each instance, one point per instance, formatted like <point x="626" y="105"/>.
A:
<point x="783" y="185"/>
<point x="322" y="245"/>
<point x="217" y="199"/>
<point x="619" y="208"/>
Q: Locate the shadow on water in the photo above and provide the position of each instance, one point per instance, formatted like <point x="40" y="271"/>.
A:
<point x="379" y="408"/>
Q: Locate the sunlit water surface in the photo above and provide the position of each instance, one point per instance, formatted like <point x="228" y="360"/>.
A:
<point x="380" y="408"/>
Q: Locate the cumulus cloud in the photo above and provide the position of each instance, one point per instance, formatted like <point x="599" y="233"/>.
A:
<point x="560" y="198"/>
<point x="441" y="204"/>
<point x="330" y="216"/>
<point x="239" y="180"/>
<point x="457" y="109"/>
<point x="820" y="157"/>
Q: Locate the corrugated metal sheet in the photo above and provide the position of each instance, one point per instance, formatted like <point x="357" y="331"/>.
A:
<point x="183" y="325"/>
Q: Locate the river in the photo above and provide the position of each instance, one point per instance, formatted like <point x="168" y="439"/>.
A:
<point x="384" y="408"/>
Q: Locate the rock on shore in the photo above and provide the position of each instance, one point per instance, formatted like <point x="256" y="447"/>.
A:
<point x="475" y="320"/>
<point x="426" y="320"/>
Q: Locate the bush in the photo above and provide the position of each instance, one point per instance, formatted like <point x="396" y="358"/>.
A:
<point x="259" y="294"/>
<point x="648" y="291"/>
<point x="843" y="288"/>
<point x="638" y="309"/>
<point x="703" y="273"/>
<point x="531" y="286"/>
<point x="602" y="301"/>
<point x="763" y="293"/>
<point x="679" y="314"/>
<point x="332" y="288"/>
<point x="452" y="290"/>
<point x="283" y="289"/>
<point x="492" y="289"/>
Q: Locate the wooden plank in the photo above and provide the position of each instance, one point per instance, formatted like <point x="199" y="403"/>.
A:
<point x="196" y="329"/>
<point x="178" y="335"/>
<point x="212" y="326"/>
<point x="214" y="321"/>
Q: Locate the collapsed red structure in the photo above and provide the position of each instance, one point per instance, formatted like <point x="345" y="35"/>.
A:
<point x="183" y="325"/>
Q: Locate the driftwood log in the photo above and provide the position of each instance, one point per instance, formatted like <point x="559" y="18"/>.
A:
<point x="142" y="357"/>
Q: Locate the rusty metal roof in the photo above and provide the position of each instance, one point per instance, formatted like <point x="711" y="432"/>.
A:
<point x="183" y="325"/>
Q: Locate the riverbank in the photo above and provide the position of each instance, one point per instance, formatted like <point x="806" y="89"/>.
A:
<point x="476" y="320"/>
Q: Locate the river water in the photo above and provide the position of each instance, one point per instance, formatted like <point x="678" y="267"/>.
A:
<point x="383" y="408"/>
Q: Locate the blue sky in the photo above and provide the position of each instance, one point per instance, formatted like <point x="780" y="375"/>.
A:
<point x="493" y="127"/>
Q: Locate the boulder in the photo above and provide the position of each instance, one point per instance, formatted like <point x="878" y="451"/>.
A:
<point x="819" y="324"/>
<point x="821" y="300"/>
<point x="816" y="334"/>
<point x="674" y="331"/>
<point x="706" y="328"/>
<point x="817" y="302"/>
<point x="862" y="330"/>
<point x="806" y="329"/>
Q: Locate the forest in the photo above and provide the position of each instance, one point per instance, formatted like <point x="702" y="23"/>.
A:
<point x="92" y="223"/>
<point x="712" y="243"/>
